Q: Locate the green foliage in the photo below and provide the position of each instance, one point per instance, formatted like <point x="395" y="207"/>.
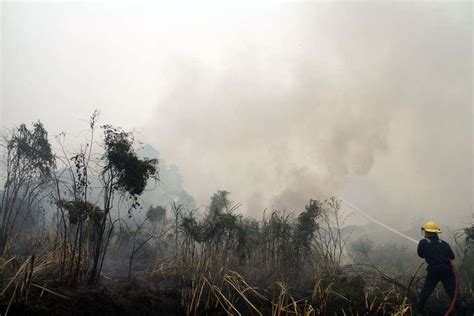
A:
<point x="465" y="243"/>
<point x="28" y="163"/>
<point x="306" y="225"/>
<point x="32" y="149"/>
<point x="131" y="172"/>
<point x="156" y="214"/>
<point x="191" y="228"/>
<point x="247" y="237"/>
<point x="469" y="231"/>
<point x="79" y="211"/>
<point x="280" y="241"/>
<point x="219" y="202"/>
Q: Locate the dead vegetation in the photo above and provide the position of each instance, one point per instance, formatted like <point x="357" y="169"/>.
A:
<point x="87" y="258"/>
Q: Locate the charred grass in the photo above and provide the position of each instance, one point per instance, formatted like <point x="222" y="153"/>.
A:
<point x="167" y="289"/>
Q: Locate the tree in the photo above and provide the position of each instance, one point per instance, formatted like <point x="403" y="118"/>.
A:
<point x="464" y="239"/>
<point x="219" y="202"/>
<point x="72" y="180"/>
<point x="469" y="231"/>
<point x="330" y="242"/>
<point x="123" y="173"/>
<point x="28" y="164"/>
<point x="306" y="226"/>
<point x="156" y="214"/>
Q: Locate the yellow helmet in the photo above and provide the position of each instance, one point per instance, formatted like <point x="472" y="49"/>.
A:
<point x="431" y="227"/>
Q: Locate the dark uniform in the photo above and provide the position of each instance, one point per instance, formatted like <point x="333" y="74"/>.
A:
<point x="437" y="254"/>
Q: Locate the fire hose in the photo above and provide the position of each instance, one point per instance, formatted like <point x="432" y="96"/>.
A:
<point x="456" y="290"/>
<point x="453" y="268"/>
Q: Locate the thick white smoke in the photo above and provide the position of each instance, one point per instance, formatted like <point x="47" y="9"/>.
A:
<point x="275" y="103"/>
<point x="326" y="91"/>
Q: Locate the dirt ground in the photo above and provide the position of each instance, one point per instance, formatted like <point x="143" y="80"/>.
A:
<point x="149" y="297"/>
<point x="109" y="298"/>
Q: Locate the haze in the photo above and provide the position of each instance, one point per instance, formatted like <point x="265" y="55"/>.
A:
<point x="276" y="103"/>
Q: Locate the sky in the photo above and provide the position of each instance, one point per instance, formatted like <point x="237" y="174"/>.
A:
<point x="275" y="102"/>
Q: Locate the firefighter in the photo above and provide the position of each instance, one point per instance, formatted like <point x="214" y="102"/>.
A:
<point x="438" y="255"/>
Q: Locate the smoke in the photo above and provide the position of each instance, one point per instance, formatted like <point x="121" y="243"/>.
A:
<point x="321" y="92"/>
<point x="169" y="188"/>
<point x="274" y="103"/>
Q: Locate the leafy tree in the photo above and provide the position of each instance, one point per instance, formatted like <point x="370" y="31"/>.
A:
<point x="28" y="164"/>
<point x="465" y="252"/>
<point x="247" y="237"/>
<point x="156" y="214"/>
<point x="220" y="202"/>
<point x="123" y="173"/>
<point x="191" y="228"/>
<point x="130" y="173"/>
<point x="469" y="231"/>
<point x="307" y="225"/>
<point x="80" y="211"/>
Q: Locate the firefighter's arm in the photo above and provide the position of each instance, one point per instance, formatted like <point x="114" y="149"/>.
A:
<point x="450" y="253"/>
<point x="419" y="249"/>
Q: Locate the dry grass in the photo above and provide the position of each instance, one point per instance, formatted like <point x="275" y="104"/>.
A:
<point x="220" y="292"/>
<point x="205" y="288"/>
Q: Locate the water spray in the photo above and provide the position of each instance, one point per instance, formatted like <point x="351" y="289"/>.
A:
<point x="453" y="301"/>
<point x="378" y="222"/>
